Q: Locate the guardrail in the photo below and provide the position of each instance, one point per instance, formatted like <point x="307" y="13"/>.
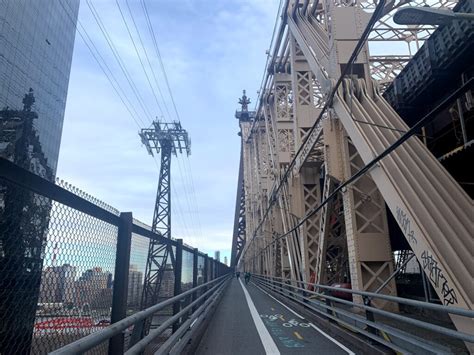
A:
<point x="71" y="264"/>
<point x="176" y="342"/>
<point x="317" y="298"/>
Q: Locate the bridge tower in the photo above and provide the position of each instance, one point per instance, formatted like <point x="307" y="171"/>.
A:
<point x="167" y="138"/>
<point x="238" y="242"/>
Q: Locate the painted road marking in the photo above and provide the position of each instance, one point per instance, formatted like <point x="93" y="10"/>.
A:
<point x="310" y="324"/>
<point x="332" y="339"/>
<point x="298" y="335"/>
<point x="279" y="333"/>
<point x="284" y="305"/>
<point x="267" y="340"/>
<point x="289" y="324"/>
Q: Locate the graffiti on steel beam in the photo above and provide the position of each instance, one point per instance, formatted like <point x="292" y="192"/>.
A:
<point x="405" y="224"/>
<point x="430" y="265"/>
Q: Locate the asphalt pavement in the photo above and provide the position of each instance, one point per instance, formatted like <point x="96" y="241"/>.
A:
<point x="249" y="321"/>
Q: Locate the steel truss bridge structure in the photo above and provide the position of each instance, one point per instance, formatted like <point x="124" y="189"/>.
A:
<point x="332" y="177"/>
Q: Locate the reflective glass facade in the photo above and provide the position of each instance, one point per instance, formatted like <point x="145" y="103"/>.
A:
<point x="36" y="46"/>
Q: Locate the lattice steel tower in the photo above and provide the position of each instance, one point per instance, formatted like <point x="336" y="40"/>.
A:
<point x="168" y="138"/>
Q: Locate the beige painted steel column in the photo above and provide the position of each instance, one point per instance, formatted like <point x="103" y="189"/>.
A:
<point x="368" y="242"/>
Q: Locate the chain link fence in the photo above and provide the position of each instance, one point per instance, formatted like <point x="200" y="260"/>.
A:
<point x="58" y="267"/>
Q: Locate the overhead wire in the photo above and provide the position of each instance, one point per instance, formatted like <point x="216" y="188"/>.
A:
<point x="190" y="197"/>
<point x="194" y="197"/>
<point x="158" y="54"/>
<point x="165" y="76"/>
<point x="139" y="57"/>
<point x="183" y="176"/>
<point x="176" y="206"/>
<point x="119" y="59"/>
<point x="191" y="213"/>
<point x="148" y="59"/>
<point x="103" y="66"/>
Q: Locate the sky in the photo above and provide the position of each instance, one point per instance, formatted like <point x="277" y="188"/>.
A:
<point x="211" y="50"/>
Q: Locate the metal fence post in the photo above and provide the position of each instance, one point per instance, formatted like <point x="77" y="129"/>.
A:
<point x="195" y="266"/>
<point x="213" y="269"/>
<point x="177" y="278"/>
<point x="206" y="271"/>
<point x="120" y="287"/>
<point x="369" y="315"/>
<point x="195" y="272"/>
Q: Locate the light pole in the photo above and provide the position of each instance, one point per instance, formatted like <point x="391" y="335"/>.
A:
<point x="427" y="16"/>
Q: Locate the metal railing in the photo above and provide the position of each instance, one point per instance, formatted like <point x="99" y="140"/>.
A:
<point x="176" y="342"/>
<point x="70" y="265"/>
<point x="361" y="317"/>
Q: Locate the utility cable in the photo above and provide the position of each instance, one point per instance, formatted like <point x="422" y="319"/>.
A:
<point x="194" y="196"/>
<point x="148" y="59"/>
<point x="187" y="194"/>
<point x="158" y="54"/>
<point x="118" y="58"/>
<point x="103" y="66"/>
<point x="139" y="57"/>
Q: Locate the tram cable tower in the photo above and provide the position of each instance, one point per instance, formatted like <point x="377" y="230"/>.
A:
<point x="167" y="138"/>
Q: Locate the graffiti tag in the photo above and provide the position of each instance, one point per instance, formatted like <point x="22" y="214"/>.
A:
<point x="405" y="225"/>
<point x="430" y="265"/>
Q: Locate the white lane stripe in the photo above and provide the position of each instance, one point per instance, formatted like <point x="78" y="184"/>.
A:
<point x="284" y="305"/>
<point x="265" y="337"/>
<point x="311" y="324"/>
<point x="332" y="339"/>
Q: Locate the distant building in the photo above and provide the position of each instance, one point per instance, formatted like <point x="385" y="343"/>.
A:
<point x="135" y="287"/>
<point x="225" y="260"/>
<point x="57" y="284"/>
<point x="167" y="283"/>
<point x="89" y="289"/>
<point x="217" y="255"/>
<point x="200" y="275"/>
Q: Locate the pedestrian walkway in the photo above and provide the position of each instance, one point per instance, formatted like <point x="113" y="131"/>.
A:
<point x="250" y="321"/>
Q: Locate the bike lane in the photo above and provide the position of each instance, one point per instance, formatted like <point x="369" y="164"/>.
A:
<point x="291" y="332"/>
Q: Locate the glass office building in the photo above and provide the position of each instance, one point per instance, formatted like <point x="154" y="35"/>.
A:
<point x="36" y="47"/>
